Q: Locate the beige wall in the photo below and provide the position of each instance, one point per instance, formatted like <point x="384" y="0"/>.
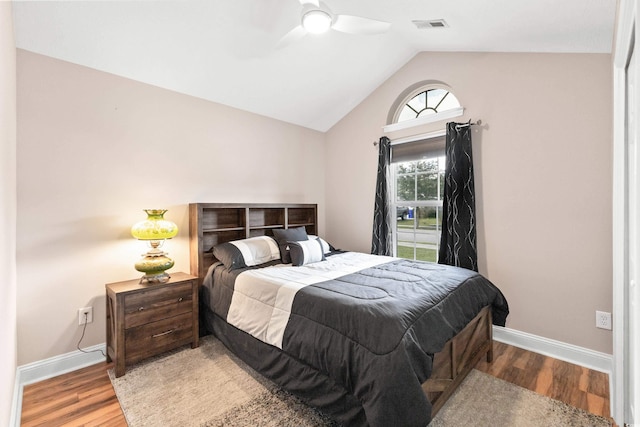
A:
<point x="7" y="211"/>
<point x="543" y="166"/>
<point x="94" y="150"/>
<point x="87" y="141"/>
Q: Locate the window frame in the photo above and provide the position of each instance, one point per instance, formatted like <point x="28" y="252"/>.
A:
<point x="437" y="204"/>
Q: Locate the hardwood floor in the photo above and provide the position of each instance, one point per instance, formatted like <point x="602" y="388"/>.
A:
<point x="575" y="385"/>
<point x="86" y="397"/>
<point x="80" y="398"/>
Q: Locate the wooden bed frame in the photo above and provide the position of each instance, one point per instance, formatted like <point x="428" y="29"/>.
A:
<point x="214" y="223"/>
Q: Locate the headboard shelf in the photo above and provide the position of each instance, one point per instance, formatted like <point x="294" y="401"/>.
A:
<point x="217" y="230"/>
<point x="211" y="224"/>
<point x="301" y="224"/>
<point x="267" y="227"/>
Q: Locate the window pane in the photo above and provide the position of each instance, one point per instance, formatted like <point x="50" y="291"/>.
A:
<point x="419" y="238"/>
<point x="403" y="215"/>
<point x="441" y="182"/>
<point x="407" y="114"/>
<point x="405" y="236"/>
<point x="428" y="218"/>
<point x="449" y="102"/>
<point x="434" y="96"/>
<point x="405" y="239"/>
<point x="405" y="224"/>
<point x="418" y="102"/>
<point x="406" y="188"/>
<point x="427" y="235"/>
<point x="427" y="186"/>
<point x="405" y="250"/>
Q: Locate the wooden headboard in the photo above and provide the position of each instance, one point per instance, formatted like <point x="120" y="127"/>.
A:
<point x="213" y="223"/>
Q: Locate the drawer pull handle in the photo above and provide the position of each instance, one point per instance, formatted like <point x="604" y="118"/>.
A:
<point x="180" y="299"/>
<point x="141" y="309"/>
<point x="162" y="333"/>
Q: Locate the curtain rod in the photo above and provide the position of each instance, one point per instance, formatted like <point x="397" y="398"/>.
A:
<point x="469" y="123"/>
<point x="458" y="127"/>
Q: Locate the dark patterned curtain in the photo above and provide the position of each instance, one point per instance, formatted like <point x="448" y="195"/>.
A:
<point x="458" y="240"/>
<point x="381" y="241"/>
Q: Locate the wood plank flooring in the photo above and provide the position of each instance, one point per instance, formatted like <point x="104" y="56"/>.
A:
<point x="80" y="398"/>
<point x="86" y="397"/>
<point x="575" y="385"/>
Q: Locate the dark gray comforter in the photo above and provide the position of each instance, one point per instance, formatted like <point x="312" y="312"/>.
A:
<point x="360" y="346"/>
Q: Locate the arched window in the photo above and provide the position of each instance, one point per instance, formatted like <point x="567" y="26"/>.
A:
<point x="425" y="102"/>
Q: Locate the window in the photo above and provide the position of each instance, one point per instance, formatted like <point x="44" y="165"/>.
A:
<point x="426" y="102"/>
<point x="418" y="190"/>
<point x="417" y="168"/>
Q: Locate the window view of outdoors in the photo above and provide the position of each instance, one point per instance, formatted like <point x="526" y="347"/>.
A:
<point x="419" y="189"/>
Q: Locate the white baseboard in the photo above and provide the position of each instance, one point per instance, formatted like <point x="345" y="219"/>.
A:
<point x="591" y="359"/>
<point x="49" y="368"/>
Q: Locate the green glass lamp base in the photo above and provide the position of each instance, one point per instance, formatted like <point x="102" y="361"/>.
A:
<point x="154" y="265"/>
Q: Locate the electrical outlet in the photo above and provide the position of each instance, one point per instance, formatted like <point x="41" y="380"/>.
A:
<point x="603" y="320"/>
<point x="85" y="315"/>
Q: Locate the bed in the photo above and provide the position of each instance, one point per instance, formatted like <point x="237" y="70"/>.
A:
<point x="369" y="340"/>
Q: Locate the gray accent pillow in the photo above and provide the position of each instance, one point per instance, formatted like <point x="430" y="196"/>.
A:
<point x="229" y="255"/>
<point x="283" y="237"/>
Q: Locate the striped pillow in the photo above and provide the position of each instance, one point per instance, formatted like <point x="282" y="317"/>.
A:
<point x="306" y="252"/>
<point x="247" y="252"/>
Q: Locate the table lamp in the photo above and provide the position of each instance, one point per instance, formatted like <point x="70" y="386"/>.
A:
<point x="155" y="230"/>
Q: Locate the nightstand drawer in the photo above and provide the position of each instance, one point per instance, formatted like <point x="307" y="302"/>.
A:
<point x="156" y="337"/>
<point x="157" y="303"/>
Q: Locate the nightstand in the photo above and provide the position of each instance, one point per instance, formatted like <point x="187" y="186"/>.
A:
<point x="144" y="319"/>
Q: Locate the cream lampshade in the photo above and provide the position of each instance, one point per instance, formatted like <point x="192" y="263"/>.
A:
<point x="155" y="230"/>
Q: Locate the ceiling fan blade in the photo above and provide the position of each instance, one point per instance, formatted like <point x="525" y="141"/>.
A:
<point x="315" y="3"/>
<point x="358" y="25"/>
<point x="292" y="36"/>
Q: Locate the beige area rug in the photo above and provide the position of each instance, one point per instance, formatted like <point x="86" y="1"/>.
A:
<point x="209" y="386"/>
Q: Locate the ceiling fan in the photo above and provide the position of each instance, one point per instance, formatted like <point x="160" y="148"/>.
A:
<point x="317" y="18"/>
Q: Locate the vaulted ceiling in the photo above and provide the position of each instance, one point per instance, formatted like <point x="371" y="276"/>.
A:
<point x="227" y="51"/>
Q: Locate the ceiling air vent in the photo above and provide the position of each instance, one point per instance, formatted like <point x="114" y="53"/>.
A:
<point x="434" y="23"/>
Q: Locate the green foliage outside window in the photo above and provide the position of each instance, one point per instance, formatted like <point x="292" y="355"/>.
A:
<point x="419" y="181"/>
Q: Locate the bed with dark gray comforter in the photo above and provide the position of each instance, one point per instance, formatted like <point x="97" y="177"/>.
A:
<point x="353" y="335"/>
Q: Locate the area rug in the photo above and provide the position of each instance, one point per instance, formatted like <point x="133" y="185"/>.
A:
<point x="210" y="387"/>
